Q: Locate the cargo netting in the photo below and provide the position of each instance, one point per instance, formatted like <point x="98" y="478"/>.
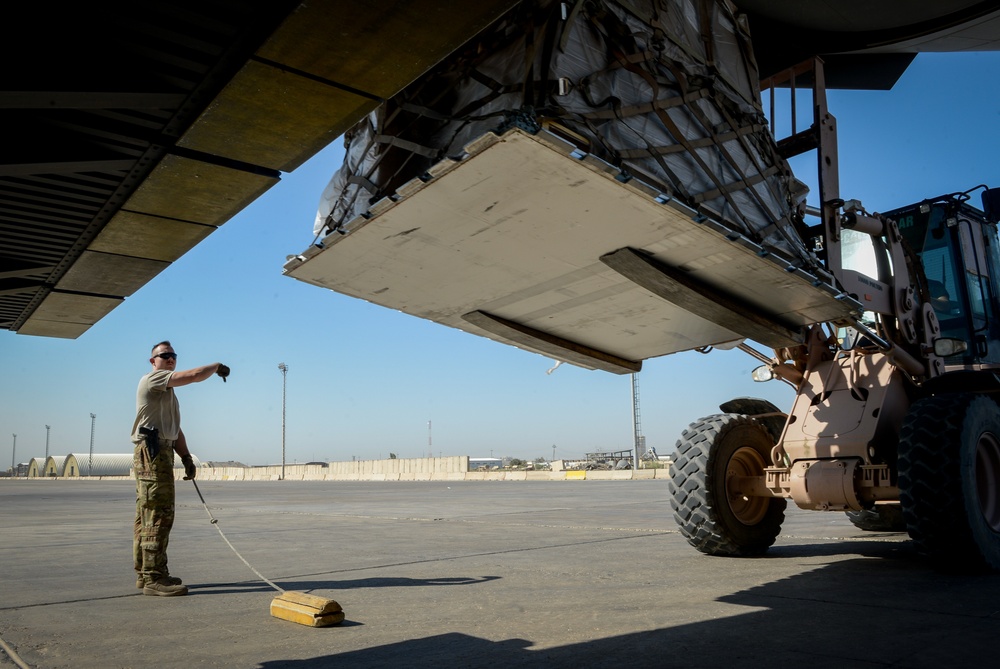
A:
<point x="664" y="90"/>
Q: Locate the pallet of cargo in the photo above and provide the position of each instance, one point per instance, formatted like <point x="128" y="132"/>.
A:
<point x="530" y="241"/>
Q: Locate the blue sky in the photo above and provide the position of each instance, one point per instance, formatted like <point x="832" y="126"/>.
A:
<point x="364" y="381"/>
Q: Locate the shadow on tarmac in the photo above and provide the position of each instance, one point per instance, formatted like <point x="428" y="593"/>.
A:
<point x="860" y="613"/>
<point x="309" y="586"/>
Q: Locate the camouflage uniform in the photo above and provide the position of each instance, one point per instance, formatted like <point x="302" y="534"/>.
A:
<point x="154" y="509"/>
<point x="156" y="406"/>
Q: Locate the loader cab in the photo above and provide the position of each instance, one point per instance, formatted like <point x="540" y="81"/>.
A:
<point x="958" y="249"/>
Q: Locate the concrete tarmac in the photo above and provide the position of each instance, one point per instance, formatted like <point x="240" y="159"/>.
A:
<point x="468" y="574"/>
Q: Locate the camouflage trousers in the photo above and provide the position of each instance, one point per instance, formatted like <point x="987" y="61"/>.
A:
<point x="154" y="509"/>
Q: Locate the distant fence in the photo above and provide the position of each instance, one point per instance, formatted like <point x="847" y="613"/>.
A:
<point x="452" y="468"/>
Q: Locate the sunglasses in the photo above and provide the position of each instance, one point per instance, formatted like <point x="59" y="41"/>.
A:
<point x="166" y="356"/>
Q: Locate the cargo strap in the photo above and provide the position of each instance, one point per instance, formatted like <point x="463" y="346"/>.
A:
<point x="412" y="147"/>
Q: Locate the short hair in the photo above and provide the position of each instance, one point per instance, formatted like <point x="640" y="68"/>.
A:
<point x="162" y="343"/>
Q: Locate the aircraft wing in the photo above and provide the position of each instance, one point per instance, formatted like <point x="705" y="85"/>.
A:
<point x="133" y="130"/>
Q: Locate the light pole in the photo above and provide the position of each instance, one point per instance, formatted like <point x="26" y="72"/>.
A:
<point x="284" y="378"/>
<point x="13" y="458"/>
<point x="90" y="465"/>
<point x="47" y="427"/>
<point x="636" y="425"/>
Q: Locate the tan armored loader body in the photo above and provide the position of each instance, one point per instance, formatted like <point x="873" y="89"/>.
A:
<point x="842" y="409"/>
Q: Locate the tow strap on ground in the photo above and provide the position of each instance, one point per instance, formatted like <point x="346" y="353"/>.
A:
<point x="296" y="607"/>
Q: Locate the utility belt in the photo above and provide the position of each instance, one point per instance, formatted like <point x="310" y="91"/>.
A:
<point x="151" y="436"/>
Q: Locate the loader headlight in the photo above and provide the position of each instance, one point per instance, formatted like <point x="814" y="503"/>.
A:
<point x="762" y="373"/>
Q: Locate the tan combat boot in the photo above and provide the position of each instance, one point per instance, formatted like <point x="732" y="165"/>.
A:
<point x="164" y="588"/>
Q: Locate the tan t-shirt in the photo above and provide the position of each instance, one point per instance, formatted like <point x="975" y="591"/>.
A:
<point x="156" y="406"/>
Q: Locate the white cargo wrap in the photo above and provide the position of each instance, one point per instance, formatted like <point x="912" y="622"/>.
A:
<point x="593" y="181"/>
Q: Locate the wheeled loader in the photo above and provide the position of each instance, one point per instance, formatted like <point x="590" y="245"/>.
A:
<point x="895" y="419"/>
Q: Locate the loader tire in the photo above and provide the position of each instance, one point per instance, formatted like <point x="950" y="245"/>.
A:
<point x="709" y="453"/>
<point x="881" y="518"/>
<point x="949" y="480"/>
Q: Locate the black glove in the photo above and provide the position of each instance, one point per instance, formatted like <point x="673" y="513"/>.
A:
<point x="190" y="471"/>
<point x="222" y="371"/>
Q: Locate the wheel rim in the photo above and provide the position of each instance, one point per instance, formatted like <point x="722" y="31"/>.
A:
<point x="988" y="479"/>
<point x="745" y="462"/>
